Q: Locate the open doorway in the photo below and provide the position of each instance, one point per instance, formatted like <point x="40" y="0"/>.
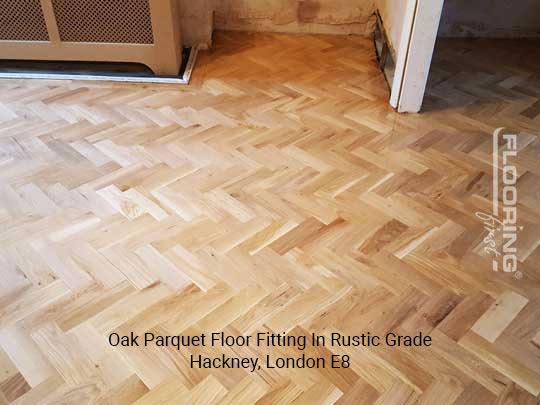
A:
<point x="497" y="35"/>
<point x="486" y="58"/>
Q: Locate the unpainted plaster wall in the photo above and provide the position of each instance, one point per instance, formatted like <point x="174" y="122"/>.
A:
<point x="461" y="18"/>
<point x="316" y="16"/>
<point x="490" y="18"/>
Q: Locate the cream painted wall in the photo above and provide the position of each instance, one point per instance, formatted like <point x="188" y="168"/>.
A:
<point x="393" y="16"/>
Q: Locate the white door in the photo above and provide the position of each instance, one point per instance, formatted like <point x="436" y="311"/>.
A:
<point x="411" y="28"/>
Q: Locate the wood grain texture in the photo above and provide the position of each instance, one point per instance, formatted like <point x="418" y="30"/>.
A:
<point x="277" y="193"/>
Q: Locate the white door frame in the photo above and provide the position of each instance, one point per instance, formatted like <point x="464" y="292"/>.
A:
<point x="421" y="24"/>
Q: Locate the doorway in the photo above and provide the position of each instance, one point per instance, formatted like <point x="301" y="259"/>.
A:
<point x="413" y="26"/>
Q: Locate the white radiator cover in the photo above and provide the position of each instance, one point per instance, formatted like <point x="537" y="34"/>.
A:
<point x="141" y="31"/>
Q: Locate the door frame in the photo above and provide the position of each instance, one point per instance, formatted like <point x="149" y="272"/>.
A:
<point x="415" y="53"/>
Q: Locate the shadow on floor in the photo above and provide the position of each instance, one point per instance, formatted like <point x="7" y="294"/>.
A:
<point x="485" y="74"/>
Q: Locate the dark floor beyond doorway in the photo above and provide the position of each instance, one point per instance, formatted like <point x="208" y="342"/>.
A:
<point x="488" y="75"/>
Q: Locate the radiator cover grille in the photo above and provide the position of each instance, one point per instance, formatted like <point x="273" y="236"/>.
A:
<point x="22" y="20"/>
<point x="104" y="21"/>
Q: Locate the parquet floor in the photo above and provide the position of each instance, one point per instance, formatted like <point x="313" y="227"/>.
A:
<point x="277" y="193"/>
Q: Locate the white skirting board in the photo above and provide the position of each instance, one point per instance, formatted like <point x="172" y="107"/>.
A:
<point x="183" y="77"/>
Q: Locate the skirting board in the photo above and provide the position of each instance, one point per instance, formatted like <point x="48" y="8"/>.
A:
<point x="183" y="77"/>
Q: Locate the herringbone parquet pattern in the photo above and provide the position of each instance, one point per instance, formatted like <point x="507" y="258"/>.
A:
<point x="278" y="192"/>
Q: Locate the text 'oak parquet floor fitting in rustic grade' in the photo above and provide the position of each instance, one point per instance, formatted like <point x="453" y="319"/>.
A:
<point x="278" y="193"/>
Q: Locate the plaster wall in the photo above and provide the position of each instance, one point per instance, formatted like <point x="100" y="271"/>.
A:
<point x="314" y="16"/>
<point x="461" y="18"/>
